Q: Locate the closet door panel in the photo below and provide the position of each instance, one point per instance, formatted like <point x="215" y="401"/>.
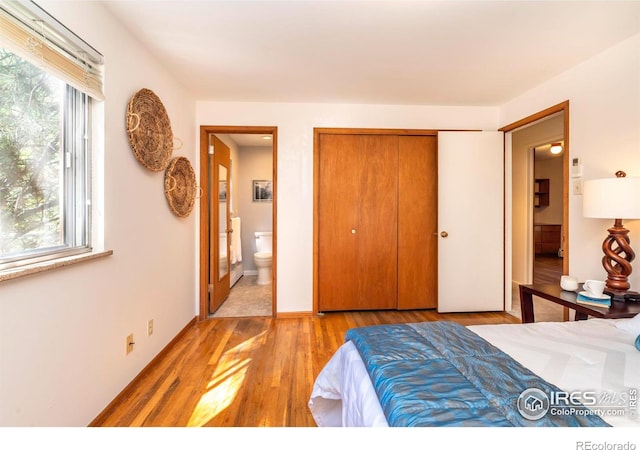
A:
<point x="357" y="221"/>
<point x="418" y="222"/>
<point x="377" y="230"/>
<point x="338" y="195"/>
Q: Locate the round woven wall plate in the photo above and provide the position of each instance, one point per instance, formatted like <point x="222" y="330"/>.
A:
<point x="180" y="186"/>
<point x="149" y="130"/>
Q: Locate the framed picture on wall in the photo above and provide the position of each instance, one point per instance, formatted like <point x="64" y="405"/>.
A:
<point x="262" y="191"/>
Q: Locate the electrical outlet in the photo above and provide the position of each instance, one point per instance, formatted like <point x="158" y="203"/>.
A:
<point x="150" y="327"/>
<point x="130" y="343"/>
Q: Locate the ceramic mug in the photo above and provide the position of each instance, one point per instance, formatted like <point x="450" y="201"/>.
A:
<point x="594" y="288"/>
<point x="568" y="283"/>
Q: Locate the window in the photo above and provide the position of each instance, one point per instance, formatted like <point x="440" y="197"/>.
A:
<point x="44" y="190"/>
<point x="46" y="90"/>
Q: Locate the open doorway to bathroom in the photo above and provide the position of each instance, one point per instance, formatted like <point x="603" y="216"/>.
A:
<point x="237" y="221"/>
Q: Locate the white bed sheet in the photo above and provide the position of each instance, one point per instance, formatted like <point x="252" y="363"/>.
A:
<point x="594" y="355"/>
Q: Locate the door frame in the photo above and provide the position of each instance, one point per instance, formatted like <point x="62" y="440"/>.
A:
<point x="507" y="129"/>
<point x="205" y="131"/>
<point x="316" y="183"/>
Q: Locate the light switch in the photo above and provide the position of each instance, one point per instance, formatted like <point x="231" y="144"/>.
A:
<point x="577" y="187"/>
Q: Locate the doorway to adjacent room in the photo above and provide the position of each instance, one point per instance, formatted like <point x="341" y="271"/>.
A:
<point x="225" y="289"/>
<point x="537" y="198"/>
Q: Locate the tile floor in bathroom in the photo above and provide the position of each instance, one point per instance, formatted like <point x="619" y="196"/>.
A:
<point x="247" y="299"/>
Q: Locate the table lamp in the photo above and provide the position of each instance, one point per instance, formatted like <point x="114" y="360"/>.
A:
<point x="614" y="198"/>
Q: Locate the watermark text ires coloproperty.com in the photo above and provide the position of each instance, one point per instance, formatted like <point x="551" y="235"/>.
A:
<point x="534" y="404"/>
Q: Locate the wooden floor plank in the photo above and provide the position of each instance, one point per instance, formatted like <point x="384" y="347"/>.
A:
<point x="250" y="372"/>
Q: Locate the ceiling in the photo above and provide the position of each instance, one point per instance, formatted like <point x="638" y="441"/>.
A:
<point x="373" y="52"/>
<point x="250" y="140"/>
<point x="543" y="151"/>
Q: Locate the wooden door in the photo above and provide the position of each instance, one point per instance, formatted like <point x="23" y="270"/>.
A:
<point x="470" y="221"/>
<point x="418" y="222"/>
<point x="219" y="223"/>
<point x="357" y="222"/>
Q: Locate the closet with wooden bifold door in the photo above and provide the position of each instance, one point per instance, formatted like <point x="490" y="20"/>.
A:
<point x="376" y="219"/>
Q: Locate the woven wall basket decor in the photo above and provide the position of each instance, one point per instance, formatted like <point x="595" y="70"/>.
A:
<point x="180" y="186"/>
<point x="149" y="130"/>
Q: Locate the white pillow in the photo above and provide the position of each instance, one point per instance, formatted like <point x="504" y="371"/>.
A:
<point x="631" y="325"/>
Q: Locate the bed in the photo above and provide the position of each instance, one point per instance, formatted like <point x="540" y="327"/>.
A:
<point x="592" y="365"/>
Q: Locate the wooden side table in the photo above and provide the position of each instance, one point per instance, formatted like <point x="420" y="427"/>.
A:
<point x="555" y="294"/>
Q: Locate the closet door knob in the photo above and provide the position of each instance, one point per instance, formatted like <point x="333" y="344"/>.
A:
<point x="353" y="231"/>
<point x="444" y="234"/>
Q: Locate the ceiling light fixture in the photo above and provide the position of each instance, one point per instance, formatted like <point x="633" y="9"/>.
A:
<point x="556" y="148"/>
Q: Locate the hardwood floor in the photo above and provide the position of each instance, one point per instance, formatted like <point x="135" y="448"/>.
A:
<point x="249" y="372"/>
<point x="547" y="269"/>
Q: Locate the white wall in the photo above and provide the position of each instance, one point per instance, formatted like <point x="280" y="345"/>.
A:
<point x="295" y="122"/>
<point x="604" y="103"/>
<point x="521" y="214"/>
<point x="62" y="333"/>
<point x="256" y="163"/>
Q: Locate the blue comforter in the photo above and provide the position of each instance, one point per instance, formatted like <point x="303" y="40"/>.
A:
<point x="443" y="374"/>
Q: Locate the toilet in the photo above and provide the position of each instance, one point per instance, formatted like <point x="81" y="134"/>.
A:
<point x="262" y="256"/>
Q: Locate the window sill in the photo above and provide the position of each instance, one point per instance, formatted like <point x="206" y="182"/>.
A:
<point x="45" y="266"/>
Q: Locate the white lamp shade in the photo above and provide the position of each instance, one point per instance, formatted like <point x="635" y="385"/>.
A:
<point x="612" y="198"/>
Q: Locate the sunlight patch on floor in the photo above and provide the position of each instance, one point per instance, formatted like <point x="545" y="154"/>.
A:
<point x="225" y="382"/>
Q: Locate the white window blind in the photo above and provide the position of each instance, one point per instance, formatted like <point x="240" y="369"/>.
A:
<point x="30" y="32"/>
